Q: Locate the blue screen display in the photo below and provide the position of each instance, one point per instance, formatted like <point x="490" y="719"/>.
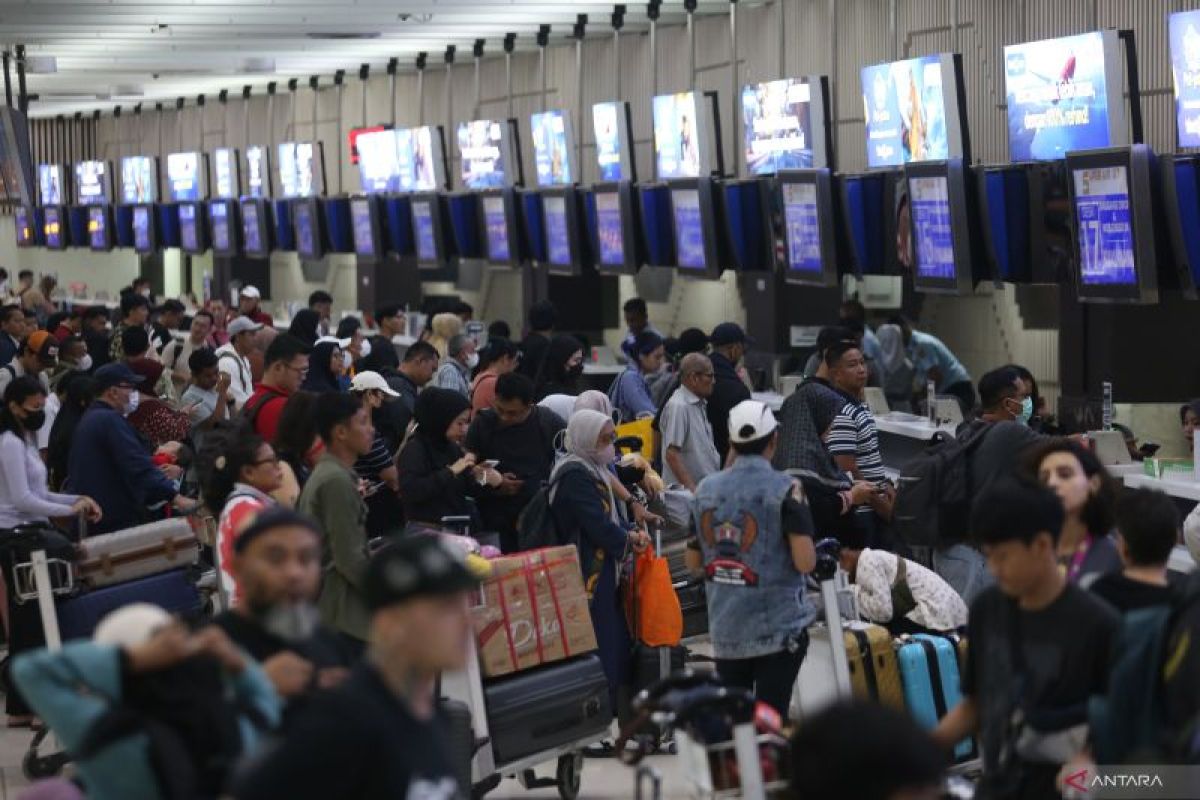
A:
<point x="219" y="214"/>
<point x="299" y="165"/>
<point x="91" y="182"/>
<point x="1105" y="227"/>
<point x="142" y="231"/>
<point x="496" y="222"/>
<point x="53" y="228"/>
<point x="607" y="118"/>
<point x="24" y="227"/>
<point x="558" y="247"/>
<point x="775" y="121"/>
<point x="252" y="228"/>
<point x="225" y="172"/>
<point x="481" y="145"/>
<point x="609" y="230"/>
<point x="551" y="148"/>
<point x="189" y="238"/>
<point x="1057" y="97"/>
<point x="803" y="230"/>
<point x="139" y="180"/>
<point x="422" y="214"/>
<point x="185" y="178"/>
<point x="1184" y="30"/>
<point x="905" y="111"/>
<point x="257" y="177"/>
<point x="379" y="161"/>
<point x="50" y="184"/>
<point x="305" y="233"/>
<point x="676" y="136"/>
<point x="932" y="234"/>
<point x="97" y="228"/>
<point x="689" y="233"/>
<point x="360" y="220"/>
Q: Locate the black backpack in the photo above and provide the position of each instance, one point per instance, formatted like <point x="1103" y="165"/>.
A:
<point x="535" y="524"/>
<point x="934" y="492"/>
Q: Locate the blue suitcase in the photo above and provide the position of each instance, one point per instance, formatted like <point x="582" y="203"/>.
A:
<point x="929" y="674"/>
<point x="174" y="591"/>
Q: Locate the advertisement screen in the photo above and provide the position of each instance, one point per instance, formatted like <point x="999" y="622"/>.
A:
<point x="496" y="223"/>
<point x="379" y="161"/>
<point x="423" y="231"/>
<point x="609" y="229"/>
<point x="1057" y="97"/>
<point x="185" y="177"/>
<point x="358" y="133"/>
<point x="360" y="221"/>
<point x="1105" y="227"/>
<point x="423" y="152"/>
<point x="305" y="232"/>
<point x="142" y="231"/>
<point x="298" y="167"/>
<point x="480" y="143"/>
<point x="139" y="180"/>
<point x="551" y="148"/>
<point x="802" y="227"/>
<point x="1184" y="31"/>
<point x="97" y="228"/>
<point x="778" y="134"/>
<point x="24" y="225"/>
<point x="225" y="172"/>
<point x="607" y="118"/>
<point x="91" y="182"/>
<point x="252" y="228"/>
<point x="50" y="184"/>
<point x="689" y="234"/>
<point x="558" y="246"/>
<point x="257" y="172"/>
<point x="905" y="111"/>
<point x="52" y="227"/>
<point x="189" y="229"/>
<point x="932" y="234"/>
<point x="219" y="214"/>
<point x="676" y="142"/>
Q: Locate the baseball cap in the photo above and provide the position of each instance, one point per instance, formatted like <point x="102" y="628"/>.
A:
<point x="131" y="625"/>
<point x="415" y="566"/>
<point x="251" y="291"/>
<point x="749" y="421"/>
<point x="368" y="380"/>
<point x="117" y="374"/>
<point x="44" y="344"/>
<point x="342" y="343"/>
<point x="728" y="333"/>
<point x="269" y="520"/>
<point x="241" y="325"/>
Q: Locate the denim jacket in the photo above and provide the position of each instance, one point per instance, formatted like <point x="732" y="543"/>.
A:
<point x="756" y="603"/>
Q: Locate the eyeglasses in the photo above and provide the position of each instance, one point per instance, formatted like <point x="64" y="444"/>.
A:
<point x="272" y="460"/>
<point x="301" y="370"/>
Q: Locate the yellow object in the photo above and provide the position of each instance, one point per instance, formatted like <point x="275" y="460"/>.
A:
<point x="643" y="429"/>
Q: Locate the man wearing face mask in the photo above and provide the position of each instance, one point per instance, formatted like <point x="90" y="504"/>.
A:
<point x="277" y="565"/>
<point x="1005" y="412"/>
<point x="109" y="463"/>
<point x="455" y="371"/>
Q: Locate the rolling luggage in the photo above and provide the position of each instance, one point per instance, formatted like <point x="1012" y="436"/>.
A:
<point x="694" y="604"/>
<point x="460" y="740"/>
<point x="138" y="552"/>
<point x="929" y="672"/>
<point x="174" y="591"/>
<point x="547" y="707"/>
<point x="874" y="672"/>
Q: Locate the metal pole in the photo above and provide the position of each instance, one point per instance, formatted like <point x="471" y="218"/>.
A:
<point x="833" y="55"/>
<point x="476" y="58"/>
<point x="118" y="128"/>
<point x="391" y="70"/>
<point x="510" y="42"/>
<point x="543" y="39"/>
<point x="7" y="82"/>
<point x="734" y="116"/>
<point x="618" y="22"/>
<point x="22" y="95"/>
<point x="223" y="99"/>
<point x="200" y="127"/>
<point x="448" y="60"/>
<point x="179" y="125"/>
<point x="782" y="37"/>
<point x="421" y="58"/>
<point x="245" y="118"/>
<point x="338" y="79"/>
<point x="690" y="7"/>
<point x="954" y="22"/>
<point x="579" y="32"/>
<point x="158" y="111"/>
<point x="364" y="74"/>
<point x="652" y="11"/>
<point x="313" y="84"/>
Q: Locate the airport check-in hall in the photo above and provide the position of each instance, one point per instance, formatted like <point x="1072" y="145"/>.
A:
<point x="440" y="399"/>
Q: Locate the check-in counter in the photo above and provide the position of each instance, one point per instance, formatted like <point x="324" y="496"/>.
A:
<point x="902" y="436"/>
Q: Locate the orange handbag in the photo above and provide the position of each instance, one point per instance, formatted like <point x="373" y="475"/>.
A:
<point x="657" y="619"/>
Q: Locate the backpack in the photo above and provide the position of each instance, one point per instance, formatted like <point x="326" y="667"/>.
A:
<point x="250" y="412"/>
<point x="535" y="524"/>
<point x="934" y="492"/>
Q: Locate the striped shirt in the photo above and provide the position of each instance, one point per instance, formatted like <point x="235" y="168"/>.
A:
<point x="853" y="434"/>
<point x="374" y="462"/>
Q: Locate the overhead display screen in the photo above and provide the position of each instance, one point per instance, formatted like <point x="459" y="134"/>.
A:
<point x="97" y="227"/>
<point x="379" y="161"/>
<point x="139" y="180"/>
<point x="776" y="125"/>
<point x="300" y="169"/>
<point x="92" y="183"/>
<point x="189" y="227"/>
<point x="689" y="233"/>
<point x="1105" y="226"/>
<point x="932" y="234"/>
<point x="258" y="172"/>
<point x="609" y="230"/>
<point x="1184" y="32"/>
<point x="50" y="183"/>
<point x="422" y="160"/>
<point x="363" y="227"/>
<point x="558" y="247"/>
<point x="1058" y="97"/>
<point x="496" y="223"/>
<point x="482" y="148"/>
<point x="422" y="213"/>
<point x="613" y="152"/>
<point x="676" y="137"/>
<point x="552" y="148"/>
<point x="904" y="104"/>
<point x="252" y="228"/>
<point x="222" y="237"/>
<point x="225" y="173"/>
<point x="52" y="227"/>
<point x="22" y="219"/>
<point x="802" y="227"/>
<point x="143" y="231"/>
<point x="186" y="177"/>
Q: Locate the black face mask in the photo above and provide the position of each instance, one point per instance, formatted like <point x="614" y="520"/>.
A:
<point x="575" y="371"/>
<point x="34" y="420"/>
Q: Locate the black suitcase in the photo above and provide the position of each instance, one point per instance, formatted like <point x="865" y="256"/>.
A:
<point x="694" y="604"/>
<point x="540" y="709"/>
<point x="460" y="741"/>
<point x="652" y="664"/>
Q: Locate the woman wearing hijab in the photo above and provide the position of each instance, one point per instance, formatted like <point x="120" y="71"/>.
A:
<point x="562" y="368"/>
<point x="304" y="326"/>
<point x="436" y="475"/>
<point x="592" y="400"/>
<point x="630" y="392"/>
<point x="895" y="367"/>
<point x="586" y="514"/>
<point x="325" y="367"/>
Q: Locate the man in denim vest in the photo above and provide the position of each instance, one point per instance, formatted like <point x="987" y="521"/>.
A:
<point x="756" y="542"/>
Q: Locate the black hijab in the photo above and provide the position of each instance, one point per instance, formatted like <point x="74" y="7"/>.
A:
<point x="436" y="408"/>
<point x="320" y="378"/>
<point x="304" y="326"/>
<point x="555" y="378"/>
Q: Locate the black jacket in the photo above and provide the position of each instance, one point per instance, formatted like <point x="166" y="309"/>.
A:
<point x="728" y="391"/>
<point x="428" y="489"/>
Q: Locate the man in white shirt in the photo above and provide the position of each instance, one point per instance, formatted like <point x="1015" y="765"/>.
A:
<point x="233" y="361"/>
<point x="882" y="591"/>
<point x="689" y="453"/>
<point x="176" y="354"/>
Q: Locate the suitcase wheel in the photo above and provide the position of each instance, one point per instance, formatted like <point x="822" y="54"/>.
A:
<point x="569" y="774"/>
<point x="479" y="790"/>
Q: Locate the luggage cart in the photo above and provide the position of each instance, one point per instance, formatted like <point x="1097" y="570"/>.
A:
<point x="42" y="579"/>
<point x="466" y="686"/>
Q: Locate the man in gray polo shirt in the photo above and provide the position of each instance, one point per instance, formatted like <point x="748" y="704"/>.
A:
<point x="689" y="453"/>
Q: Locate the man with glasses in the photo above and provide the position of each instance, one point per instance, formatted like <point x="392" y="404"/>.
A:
<point x="689" y="451"/>
<point x="177" y="354"/>
<point x="284" y="366"/>
<point x="109" y="463"/>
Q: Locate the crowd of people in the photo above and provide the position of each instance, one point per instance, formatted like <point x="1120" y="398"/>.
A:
<point x="323" y="452"/>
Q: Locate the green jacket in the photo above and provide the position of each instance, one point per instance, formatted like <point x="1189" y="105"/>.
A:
<point x="331" y="498"/>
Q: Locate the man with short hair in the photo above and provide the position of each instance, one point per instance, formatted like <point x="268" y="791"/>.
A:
<point x="1039" y="648"/>
<point x="135" y="313"/>
<point x="70" y="325"/>
<point x="932" y="360"/>
<point x="321" y="302"/>
<point x="109" y="463"/>
<point x="853" y="439"/>
<point x="207" y="396"/>
<point x="519" y="435"/>
<point x="95" y="334"/>
<point x="177" y="354"/>
<point x="285" y="364"/>
<point x="141" y="287"/>
<point x="37" y="355"/>
<point x="277" y="566"/>
<point x="689" y="454"/>
<point x="331" y="497"/>
<point x="729" y="344"/>
<point x="250" y="306"/>
<point x="379" y="734"/>
<point x="853" y="315"/>
<point x="232" y="359"/>
<point x="12" y="325"/>
<point x="1147" y="530"/>
<point x="416" y="371"/>
<point x="390" y="321"/>
<point x="1005" y="409"/>
<point x="170" y="316"/>
<point x="637" y="318"/>
<point x="455" y="371"/>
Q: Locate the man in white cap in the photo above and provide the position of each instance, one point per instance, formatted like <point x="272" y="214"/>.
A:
<point x="755" y="541"/>
<point x="249" y="306"/>
<point x="385" y="514"/>
<point x="233" y="361"/>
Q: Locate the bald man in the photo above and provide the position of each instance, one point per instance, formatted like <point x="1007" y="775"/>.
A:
<point x="689" y="451"/>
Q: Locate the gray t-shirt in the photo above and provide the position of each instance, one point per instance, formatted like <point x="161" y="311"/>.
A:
<point x="1000" y="451"/>
<point x="684" y="424"/>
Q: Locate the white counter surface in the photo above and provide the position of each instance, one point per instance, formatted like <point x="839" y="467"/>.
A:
<point x="1176" y="486"/>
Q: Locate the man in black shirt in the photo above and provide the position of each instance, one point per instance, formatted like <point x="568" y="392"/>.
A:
<point x="520" y="436"/>
<point x="729" y="343"/>
<point x="379" y="734"/>
<point x="1039" y="647"/>
<point x="1148" y="527"/>
<point x="277" y="566"/>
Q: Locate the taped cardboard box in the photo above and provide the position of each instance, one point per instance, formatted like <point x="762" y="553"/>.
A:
<point x="533" y="610"/>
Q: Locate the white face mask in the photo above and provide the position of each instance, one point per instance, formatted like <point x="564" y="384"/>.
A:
<point x="144" y="293"/>
<point x="134" y="399"/>
<point x="473" y="361"/>
<point x="606" y="455"/>
<point x="365" y="348"/>
<point x="85" y="363"/>
<point x="346" y="360"/>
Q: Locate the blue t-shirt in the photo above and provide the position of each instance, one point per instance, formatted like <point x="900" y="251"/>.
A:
<point x="926" y="352"/>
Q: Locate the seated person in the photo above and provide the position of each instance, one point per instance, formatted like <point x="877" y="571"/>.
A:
<point x="1147" y="530"/>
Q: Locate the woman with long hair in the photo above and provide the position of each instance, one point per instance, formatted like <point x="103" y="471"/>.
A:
<point x="297" y="444"/>
<point x="562" y="368"/>
<point x="80" y="392"/>
<point x="499" y="357"/>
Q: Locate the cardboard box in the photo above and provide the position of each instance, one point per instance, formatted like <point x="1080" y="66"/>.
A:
<point x="533" y="610"/>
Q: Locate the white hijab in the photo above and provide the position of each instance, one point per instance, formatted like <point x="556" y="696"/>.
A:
<point x="580" y="444"/>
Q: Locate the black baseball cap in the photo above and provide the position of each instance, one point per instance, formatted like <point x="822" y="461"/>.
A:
<point x="692" y="340"/>
<point x="729" y="333"/>
<point x="172" y="305"/>
<point x="116" y="374"/>
<point x="269" y="520"/>
<point x="418" y="565"/>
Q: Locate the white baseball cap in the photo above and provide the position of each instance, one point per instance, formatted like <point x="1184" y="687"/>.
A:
<point x="749" y="421"/>
<point x="368" y="380"/>
<point x="241" y="325"/>
<point x="251" y="291"/>
<point x="342" y="343"/>
<point x="130" y="625"/>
